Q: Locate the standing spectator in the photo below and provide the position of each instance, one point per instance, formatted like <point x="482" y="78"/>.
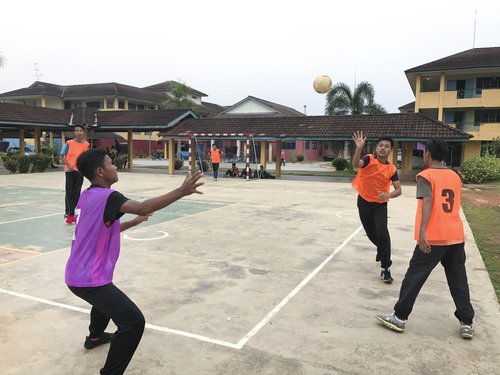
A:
<point x="74" y="180"/>
<point x="283" y="158"/>
<point x="215" y="155"/>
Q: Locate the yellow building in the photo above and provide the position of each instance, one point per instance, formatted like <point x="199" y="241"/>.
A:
<point x="462" y="90"/>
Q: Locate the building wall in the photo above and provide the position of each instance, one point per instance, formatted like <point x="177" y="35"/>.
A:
<point x="249" y="107"/>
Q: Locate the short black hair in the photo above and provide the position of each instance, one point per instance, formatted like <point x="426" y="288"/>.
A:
<point x="386" y="139"/>
<point x="89" y="161"/>
<point x="78" y="126"/>
<point x="438" y="149"/>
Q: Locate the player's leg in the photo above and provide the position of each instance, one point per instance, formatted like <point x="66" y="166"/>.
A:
<point x="383" y="237"/>
<point x="365" y="210"/>
<point x="456" y="275"/>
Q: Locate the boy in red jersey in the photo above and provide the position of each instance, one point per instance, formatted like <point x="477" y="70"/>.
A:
<point x="373" y="183"/>
<point x="439" y="233"/>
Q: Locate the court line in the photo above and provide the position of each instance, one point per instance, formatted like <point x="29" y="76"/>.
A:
<point x="242" y="342"/>
<point x="29" y="218"/>
<point x="148" y="325"/>
<point x="297" y="289"/>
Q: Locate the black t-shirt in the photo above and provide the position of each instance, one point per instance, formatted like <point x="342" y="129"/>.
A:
<point x="366" y="161"/>
<point x="113" y="205"/>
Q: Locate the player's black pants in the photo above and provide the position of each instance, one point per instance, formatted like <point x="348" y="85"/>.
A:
<point x="452" y="258"/>
<point x="215" y="167"/>
<point x="374" y="219"/>
<point x="74" y="182"/>
<point x="109" y="302"/>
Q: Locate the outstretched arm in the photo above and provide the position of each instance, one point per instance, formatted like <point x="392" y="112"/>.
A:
<point x="188" y="187"/>
<point x="134" y="222"/>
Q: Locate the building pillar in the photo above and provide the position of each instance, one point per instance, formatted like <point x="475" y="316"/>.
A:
<point x="179" y="148"/>
<point x="277" y="159"/>
<point x="165" y="151"/>
<point x="51" y="139"/>
<point x="247" y="158"/>
<point x="115" y="103"/>
<point x="38" y="147"/>
<point x="238" y="149"/>
<point x="395" y="154"/>
<point x="171" y="158"/>
<point x="130" y="141"/>
<point x="192" y="156"/>
<point x="21" y="142"/>
<point x="263" y="154"/>
<point x="63" y="139"/>
<point x="441" y="96"/>
<point x="126" y="104"/>
<point x="417" y="93"/>
<point x="406" y="162"/>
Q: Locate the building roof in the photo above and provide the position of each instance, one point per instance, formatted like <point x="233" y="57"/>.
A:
<point x="278" y="109"/>
<point x="13" y="116"/>
<point x="167" y="86"/>
<point x="110" y="89"/>
<point x="409" y="127"/>
<point x="407" y="108"/>
<point x="470" y="59"/>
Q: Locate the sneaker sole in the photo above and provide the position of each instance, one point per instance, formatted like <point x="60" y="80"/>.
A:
<point x="389" y="325"/>
<point x="467" y="336"/>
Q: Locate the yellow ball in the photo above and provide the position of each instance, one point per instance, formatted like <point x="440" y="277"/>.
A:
<point x="322" y="84"/>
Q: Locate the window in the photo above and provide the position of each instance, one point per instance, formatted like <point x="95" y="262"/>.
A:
<point x="194" y="97"/>
<point x="314" y="145"/>
<point x="110" y="104"/>
<point x="121" y="104"/>
<point x="306" y="145"/>
<point x="429" y="84"/>
<point x="132" y="106"/>
<point x="490" y="147"/>
<point x="488" y="82"/>
<point x="96" y="105"/>
<point x="72" y="104"/>
<point x="289" y="145"/>
<point x="486" y="116"/>
<point x="140" y="106"/>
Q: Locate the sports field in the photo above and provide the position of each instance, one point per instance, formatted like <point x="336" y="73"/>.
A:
<point x="252" y="277"/>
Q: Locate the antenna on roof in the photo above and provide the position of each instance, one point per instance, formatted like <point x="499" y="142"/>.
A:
<point x="474" y="38"/>
<point x="71" y="120"/>
<point x="95" y="121"/>
<point x="36" y="68"/>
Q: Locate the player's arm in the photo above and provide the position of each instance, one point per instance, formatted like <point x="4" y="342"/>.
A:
<point x="188" y="187"/>
<point x="397" y="189"/>
<point x="359" y="140"/>
<point x="134" y="222"/>
<point x="62" y="157"/>
<point x="424" y="192"/>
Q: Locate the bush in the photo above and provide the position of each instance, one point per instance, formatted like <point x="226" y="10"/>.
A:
<point x="40" y="162"/>
<point x="140" y="155"/>
<point x="300" y="157"/>
<point x="178" y="164"/>
<point x="50" y="151"/>
<point x="24" y="164"/>
<point x="11" y="163"/>
<point x="340" y="164"/>
<point x="204" y="163"/>
<point x="480" y="169"/>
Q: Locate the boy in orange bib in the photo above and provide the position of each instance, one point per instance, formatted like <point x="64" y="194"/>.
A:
<point x="439" y="233"/>
<point x="373" y="183"/>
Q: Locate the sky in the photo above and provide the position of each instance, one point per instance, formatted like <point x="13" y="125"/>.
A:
<point x="230" y="49"/>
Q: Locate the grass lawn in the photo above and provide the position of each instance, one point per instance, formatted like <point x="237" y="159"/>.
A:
<point x="482" y="209"/>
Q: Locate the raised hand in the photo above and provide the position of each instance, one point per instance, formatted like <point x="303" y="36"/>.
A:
<point x="358" y="139"/>
<point x="191" y="183"/>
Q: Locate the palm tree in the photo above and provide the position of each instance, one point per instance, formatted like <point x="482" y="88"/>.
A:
<point x="178" y="98"/>
<point x="342" y="101"/>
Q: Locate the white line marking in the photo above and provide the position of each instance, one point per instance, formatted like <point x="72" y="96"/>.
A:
<point x="297" y="289"/>
<point x="29" y="218"/>
<point x="150" y="326"/>
<point x="165" y="234"/>
<point x="241" y="343"/>
<point x="339" y="214"/>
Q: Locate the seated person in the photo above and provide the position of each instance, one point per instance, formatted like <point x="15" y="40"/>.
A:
<point x="263" y="173"/>
<point x="244" y="172"/>
<point x="233" y="171"/>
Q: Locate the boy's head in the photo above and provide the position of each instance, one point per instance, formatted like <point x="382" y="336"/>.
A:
<point x="384" y="147"/>
<point x="435" y="149"/>
<point x="234" y="165"/>
<point x="79" y="132"/>
<point x="96" y="166"/>
<point x="214" y="146"/>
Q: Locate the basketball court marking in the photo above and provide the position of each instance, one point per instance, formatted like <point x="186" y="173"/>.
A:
<point x="342" y="215"/>
<point x="29" y="218"/>
<point x="242" y="342"/>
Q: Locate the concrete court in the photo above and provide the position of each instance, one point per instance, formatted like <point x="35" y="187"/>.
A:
<point x="253" y="277"/>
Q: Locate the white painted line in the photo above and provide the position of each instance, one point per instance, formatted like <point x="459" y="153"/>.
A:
<point x="340" y="214"/>
<point x="297" y="289"/>
<point x="150" y="326"/>
<point x="29" y="218"/>
<point x="164" y="235"/>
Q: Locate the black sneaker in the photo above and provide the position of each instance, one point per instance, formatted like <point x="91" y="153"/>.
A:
<point x="385" y="275"/>
<point x="104" y="339"/>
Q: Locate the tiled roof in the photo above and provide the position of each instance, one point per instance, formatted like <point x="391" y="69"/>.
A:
<point x="280" y="110"/>
<point x="472" y="58"/>
<point x="111" y="89"/>
<point x="12" y="115"/>
<point x="407" y="108"/>
<point x="167" y="85"/>
<point x="412" y="126"/>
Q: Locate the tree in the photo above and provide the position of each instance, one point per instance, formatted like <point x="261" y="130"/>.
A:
<point x="342" y="101"/>
<point x="178" y="97"/>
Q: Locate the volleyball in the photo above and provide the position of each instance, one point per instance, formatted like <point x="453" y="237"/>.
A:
<point x="322" y="84"/>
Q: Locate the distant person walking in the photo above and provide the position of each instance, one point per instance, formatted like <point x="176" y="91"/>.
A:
<point x="215" y="155"/>
<point x="283" y="158"/>
<point x="74" y="180"/>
